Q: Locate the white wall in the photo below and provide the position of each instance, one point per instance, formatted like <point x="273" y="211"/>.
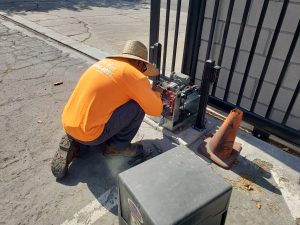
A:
<point x="282" y="46"/>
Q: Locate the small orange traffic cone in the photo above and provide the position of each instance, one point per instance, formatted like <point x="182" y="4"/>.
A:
<point x="221" y="148"/>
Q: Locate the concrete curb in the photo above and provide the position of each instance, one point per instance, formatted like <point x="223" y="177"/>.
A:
<point x="185" y="137"/>
<point x="89" y="51"/>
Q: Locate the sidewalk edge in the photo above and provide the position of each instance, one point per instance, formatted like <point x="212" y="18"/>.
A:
<point x="89" y="51"/>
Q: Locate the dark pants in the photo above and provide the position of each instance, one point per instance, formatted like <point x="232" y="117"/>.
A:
<point x="121" y="127"/>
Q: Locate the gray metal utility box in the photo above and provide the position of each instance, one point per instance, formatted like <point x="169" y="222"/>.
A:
<point x="176" y="187"/>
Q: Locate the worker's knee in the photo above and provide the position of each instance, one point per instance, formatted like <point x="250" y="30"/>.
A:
<point x="135" y="108"/>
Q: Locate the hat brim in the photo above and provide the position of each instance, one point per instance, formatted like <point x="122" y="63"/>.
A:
<point x="151" y="71"/>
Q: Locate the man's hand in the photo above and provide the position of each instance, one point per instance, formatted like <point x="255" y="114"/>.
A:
<point x="157" y="88"/>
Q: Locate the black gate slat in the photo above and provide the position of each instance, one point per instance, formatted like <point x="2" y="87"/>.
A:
<point x="212" y="29"/>
<point x="290" y="107"/>
<point x="284" y="69"/>
<point x="260" y="122"/>
<point x="252" y="51"/>
<point x="208" y="73"/>
<point x="195" y="51"/>
<point x="154" y="22"/>
<point x="166" y="37"/>
<point x="269" y="55"/>
<point x="237" y="49"/>
<point x="176" y="34"/>
<point x="224" y="38"/>
<point x="195" y="22"/>
<point x="190" y="34"/>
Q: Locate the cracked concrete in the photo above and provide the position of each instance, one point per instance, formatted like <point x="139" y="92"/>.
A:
<point x="82" y="36"/>
<point x="28" y="96"/>
<point x="105" y="25"/>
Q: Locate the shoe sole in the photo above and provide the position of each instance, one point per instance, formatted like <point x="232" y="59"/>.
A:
<point x="59" y="165"/>
<point x="63" y="157"/>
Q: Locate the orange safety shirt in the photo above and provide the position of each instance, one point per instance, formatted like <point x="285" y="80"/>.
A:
<point x="103" y="88"/>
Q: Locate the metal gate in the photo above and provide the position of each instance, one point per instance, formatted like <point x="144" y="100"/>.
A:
<point x="192" y="44"/>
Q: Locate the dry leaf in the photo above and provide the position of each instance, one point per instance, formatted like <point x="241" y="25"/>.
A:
<point x="248" y="187"/>
<point x="283" y="179"/>
<point x="58" y="83"/>
<point x="246" y="184"/>
<point x="258" y="205"/>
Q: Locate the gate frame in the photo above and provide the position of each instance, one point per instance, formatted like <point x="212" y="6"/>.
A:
<point x="196" y="14"/>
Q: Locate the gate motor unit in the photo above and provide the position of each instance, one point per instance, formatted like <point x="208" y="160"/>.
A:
<point x="176" y="187"/>
<point x="180" y="101"/>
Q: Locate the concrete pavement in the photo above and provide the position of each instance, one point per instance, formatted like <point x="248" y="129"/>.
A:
<point x="30" y="108"/>
<point x="30" y="129"/>
<point x="105" y="25"/>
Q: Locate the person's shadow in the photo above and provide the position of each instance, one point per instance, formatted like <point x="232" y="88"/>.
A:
<point x="100" y="172"/>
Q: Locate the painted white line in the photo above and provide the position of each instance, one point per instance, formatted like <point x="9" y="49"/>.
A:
<point x="96" y="209"/>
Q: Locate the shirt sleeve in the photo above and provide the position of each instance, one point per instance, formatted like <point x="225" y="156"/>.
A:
<point x="140" y="90"/>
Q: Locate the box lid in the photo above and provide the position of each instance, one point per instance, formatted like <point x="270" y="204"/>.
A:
<point x="173" y="185"/>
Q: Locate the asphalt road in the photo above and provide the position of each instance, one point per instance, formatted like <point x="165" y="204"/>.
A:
<point x="30" y="108"/>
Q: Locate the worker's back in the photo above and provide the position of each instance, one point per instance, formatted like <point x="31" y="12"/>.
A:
<point x="105" y="86"/>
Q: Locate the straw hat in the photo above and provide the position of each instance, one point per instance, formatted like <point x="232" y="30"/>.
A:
<point x="138" y="51"/>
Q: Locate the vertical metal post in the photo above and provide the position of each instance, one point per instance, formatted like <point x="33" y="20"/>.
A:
<point x="155" y="54"/>
<point x="176" y="35"/>
<point x="196" y="48"/>
<point x="190" y="35"/>
<point x="224" y="38"/>
<point x="154" y="23"/>
<point x="269" y="55"/>
<point x="293" y="100"/>
<point x="208" y="78"/>
<point x="166" y="37"/>
<point x="284" y="69"/>
<point x="237" y="49"/>
<point x="252" y="51"/>
<point x="212" y="29"/>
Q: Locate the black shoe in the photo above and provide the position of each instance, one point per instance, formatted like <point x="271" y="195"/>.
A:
<point x="67" y="151"/>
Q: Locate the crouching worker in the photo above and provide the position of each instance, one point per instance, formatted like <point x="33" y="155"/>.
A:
<point x="108" y="105"/>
